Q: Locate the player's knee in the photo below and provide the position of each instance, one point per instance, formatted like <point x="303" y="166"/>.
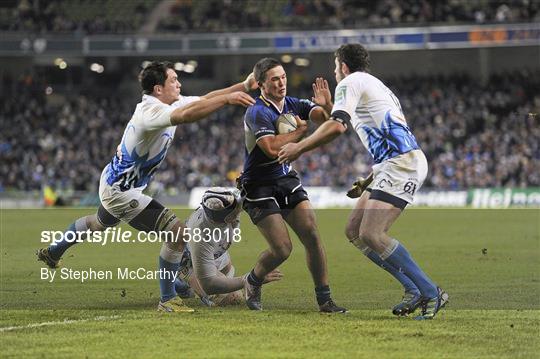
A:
<point x="351" y="232"/>
<point x="369" y="237"/>
<point x="283" y="251"/>
<point x="93" y="224"/>
<point x="310" y="237"/>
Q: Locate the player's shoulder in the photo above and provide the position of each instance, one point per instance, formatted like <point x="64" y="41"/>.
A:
<point x="296" y="102"/>
<point x="356" y="78"/>
<point x="150" y="104"/>
<point x="261" y="107"/>
<point x="184" y="100"/>
<point x="358" y="81"/>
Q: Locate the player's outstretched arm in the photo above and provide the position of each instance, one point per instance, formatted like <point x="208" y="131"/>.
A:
<point x="198" y="110"/>
<point x="327" y="132"/>
<point x="247" y="85"/>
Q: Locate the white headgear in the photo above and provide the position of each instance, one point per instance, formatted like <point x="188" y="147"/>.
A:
<point x="221" y="205"/>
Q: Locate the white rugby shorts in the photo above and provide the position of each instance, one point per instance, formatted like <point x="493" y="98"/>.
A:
<point x="401" y="176"/>
<point x="123" y="205"/>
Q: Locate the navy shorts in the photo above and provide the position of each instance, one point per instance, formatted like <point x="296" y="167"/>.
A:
<point x="263" y="198"/>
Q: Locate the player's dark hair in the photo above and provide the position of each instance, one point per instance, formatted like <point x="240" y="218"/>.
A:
<point x="355" y="56"/>
<point x="154" y="74"/>
<point x="262" y="67"/>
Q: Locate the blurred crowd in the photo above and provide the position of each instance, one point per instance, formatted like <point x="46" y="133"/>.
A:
<point x="112" y="16"/>
<point x="474" y="135"/>
<point x="237" y="15"/>
<point x="77" y="17"/>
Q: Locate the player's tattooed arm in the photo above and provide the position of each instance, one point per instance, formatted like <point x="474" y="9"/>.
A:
<point x="326" y="132"/>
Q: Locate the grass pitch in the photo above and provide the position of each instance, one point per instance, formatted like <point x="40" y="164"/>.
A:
<point x="487" y="260"/>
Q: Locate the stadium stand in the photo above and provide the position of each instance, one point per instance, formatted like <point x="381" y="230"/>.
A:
<point x="474" y="136"/>
<point x="77" y="17"/>
<point x="82" y="17"/>
<point x="227" y="15"/>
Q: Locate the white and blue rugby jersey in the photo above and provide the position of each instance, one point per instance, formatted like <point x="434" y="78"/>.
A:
<point x="375" y="114"/>
<point x="145" y="142"/>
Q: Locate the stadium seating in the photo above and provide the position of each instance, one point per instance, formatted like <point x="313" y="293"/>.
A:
<point x="110" y="16"/>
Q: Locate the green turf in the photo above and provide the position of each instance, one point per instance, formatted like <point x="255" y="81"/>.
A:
<point x="488" y="261"/>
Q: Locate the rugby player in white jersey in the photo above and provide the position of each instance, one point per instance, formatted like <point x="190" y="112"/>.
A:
<point x="365" y="104"/>
<point x="142" y="149"/>
<point x="206" y="264"/>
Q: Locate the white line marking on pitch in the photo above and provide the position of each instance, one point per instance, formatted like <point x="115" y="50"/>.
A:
<point x="66" y="321"/>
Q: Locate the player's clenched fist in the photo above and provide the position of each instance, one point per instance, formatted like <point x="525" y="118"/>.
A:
<point x="240" y="98"/>
<point x="250" y="83"/>
<point x="289" y="153"/>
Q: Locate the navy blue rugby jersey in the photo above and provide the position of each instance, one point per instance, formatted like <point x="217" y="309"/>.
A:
<point x="260" y="120"/>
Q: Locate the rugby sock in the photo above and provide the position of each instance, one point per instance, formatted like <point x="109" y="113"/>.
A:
<point x="169" y="263"/>
<point x="407" y="283"/>
<point x="253" y="279"/>
<point x="180" y="285"/>
<point x="400" y="258"/>
<point x="323" y="294"/>
<point x="57" y="249"/>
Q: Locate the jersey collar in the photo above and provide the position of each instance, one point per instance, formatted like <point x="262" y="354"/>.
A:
<point x="269" y="102"/>
<point x="150" y="98"/>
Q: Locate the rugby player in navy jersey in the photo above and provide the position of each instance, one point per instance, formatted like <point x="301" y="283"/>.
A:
<point x="273" y="194"/>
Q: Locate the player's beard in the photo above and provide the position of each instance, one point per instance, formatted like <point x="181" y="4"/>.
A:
<point x="339" y="76"/>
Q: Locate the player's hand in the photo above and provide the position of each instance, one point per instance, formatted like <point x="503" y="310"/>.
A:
<point x="359" y="186"/>
<point x="240" y="98"/>
<point x="289" y="152"/>
<point x="321" y="92"/>
<point x="273" y="276"/>
<point x="207" y="301"/>
<point x="250" y="83"/>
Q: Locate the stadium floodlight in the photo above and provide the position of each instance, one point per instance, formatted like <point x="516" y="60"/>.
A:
<point x="286" y="59"/>
<point x="95" y="67"/>
<point x="302" y="62"/>
<point x="179" y="66"/>
<point x="189" y="68"/>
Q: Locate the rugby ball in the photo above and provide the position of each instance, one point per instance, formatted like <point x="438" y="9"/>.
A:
<point x="286" y="123"/>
